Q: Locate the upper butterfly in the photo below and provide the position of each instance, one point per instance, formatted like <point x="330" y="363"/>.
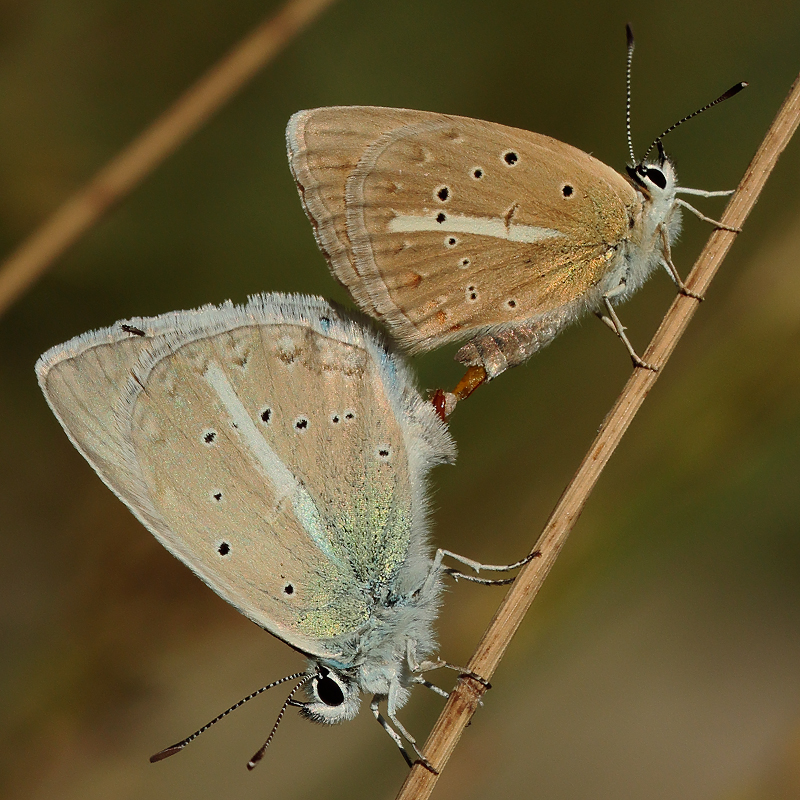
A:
<point x="449" y="228"/>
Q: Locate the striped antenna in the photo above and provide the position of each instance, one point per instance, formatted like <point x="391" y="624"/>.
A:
<point x="289" y="702"/>
<point x="176" y="748"/>
<point x="730" y="93"/>
<point x="631" y="45"/>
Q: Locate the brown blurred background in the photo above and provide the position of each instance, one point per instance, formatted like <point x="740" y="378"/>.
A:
<point x="662" y="659"/>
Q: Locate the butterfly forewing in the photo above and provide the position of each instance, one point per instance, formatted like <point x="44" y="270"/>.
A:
<point x="198" y="451"/>
<point x="82" y="382"/>
<point x="441" y="232"/>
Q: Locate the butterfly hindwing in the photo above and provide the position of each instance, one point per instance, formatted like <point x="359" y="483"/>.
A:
<point x="323" y="150"/>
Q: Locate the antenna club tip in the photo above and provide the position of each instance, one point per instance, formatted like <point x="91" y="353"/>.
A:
<point x="169" y="751"/>
<point x="254" y="761"/>
<point x="733" y="90"/>
<point x="629" y="35"/>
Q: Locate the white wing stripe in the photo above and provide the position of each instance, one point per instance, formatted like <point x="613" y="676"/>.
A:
<point x="284" y="483"/>
<point x="481" y="226"/>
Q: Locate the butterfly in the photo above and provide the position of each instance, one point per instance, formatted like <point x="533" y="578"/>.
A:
<point x="280" y="450"/>
<point x="448" y="228"/>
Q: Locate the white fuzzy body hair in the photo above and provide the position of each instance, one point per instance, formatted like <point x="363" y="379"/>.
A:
<point x="639" y="257"/>
<point x="377" y="660"/>
<point x="630" y="264"/>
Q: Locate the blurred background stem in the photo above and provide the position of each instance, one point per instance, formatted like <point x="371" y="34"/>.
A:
<point x="80" y="212"/>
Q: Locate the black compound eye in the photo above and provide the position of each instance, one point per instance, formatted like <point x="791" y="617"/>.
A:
<point x="328" y="691"/>
<point x="657" y="176"/>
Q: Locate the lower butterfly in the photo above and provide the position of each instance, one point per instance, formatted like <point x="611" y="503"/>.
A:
<point x="280" y="450"/>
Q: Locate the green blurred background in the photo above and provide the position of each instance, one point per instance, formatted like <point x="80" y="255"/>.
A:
<point x="662" y="658"/>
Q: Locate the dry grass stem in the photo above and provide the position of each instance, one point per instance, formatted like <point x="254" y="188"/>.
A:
<point x="129" y="167"/>
<point x="464" y="699"/>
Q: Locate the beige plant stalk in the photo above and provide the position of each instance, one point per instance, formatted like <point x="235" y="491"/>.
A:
<point x="465" y="697"/>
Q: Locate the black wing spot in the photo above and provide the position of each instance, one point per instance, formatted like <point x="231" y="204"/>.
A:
<point x="217" y="496"/>
<point x="567" y="190"/>
<point x="512" y="304"/>
<point x="472" y="292"/>
<point x="465" y="262"/>
<point x="443" y="193"/>
<point x="224" y="549"/>
<point x="477" y="173"/>
<point x="335" y="419"/>
<point x="451" y="241"/>
<point x="440" y="218"/>
<point x="384" y="451"/>
<point x="265" y="414"/>
<point x="288" y="589"/>
<point x="209" y="436"/>
<point x="301" y="424"/>
<point x="348" y="415"/>
<point x="511" y="158"/>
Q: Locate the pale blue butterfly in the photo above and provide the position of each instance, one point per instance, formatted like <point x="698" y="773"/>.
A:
<point x="280" y="450"/>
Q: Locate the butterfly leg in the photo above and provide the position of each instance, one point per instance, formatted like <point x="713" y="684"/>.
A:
<point x="388" y="728"/>
<point x="477" y="566"/>
<point x="670" y="266"/>
<point x="391" y="703"/>
<point x="421" y="758"/>
<point x="619" y="328"/>
<point x="700" y="215"/>
<point x="396" y="737"/>
<point x="432" y="686"/>
<point x="427" y="666"/>
<point x="703" y="192"/>
<point x="606" y="321"/>
<point x="455" y="574"/>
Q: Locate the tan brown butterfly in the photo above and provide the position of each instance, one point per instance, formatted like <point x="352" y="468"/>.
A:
<point x="449" y="228"/>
